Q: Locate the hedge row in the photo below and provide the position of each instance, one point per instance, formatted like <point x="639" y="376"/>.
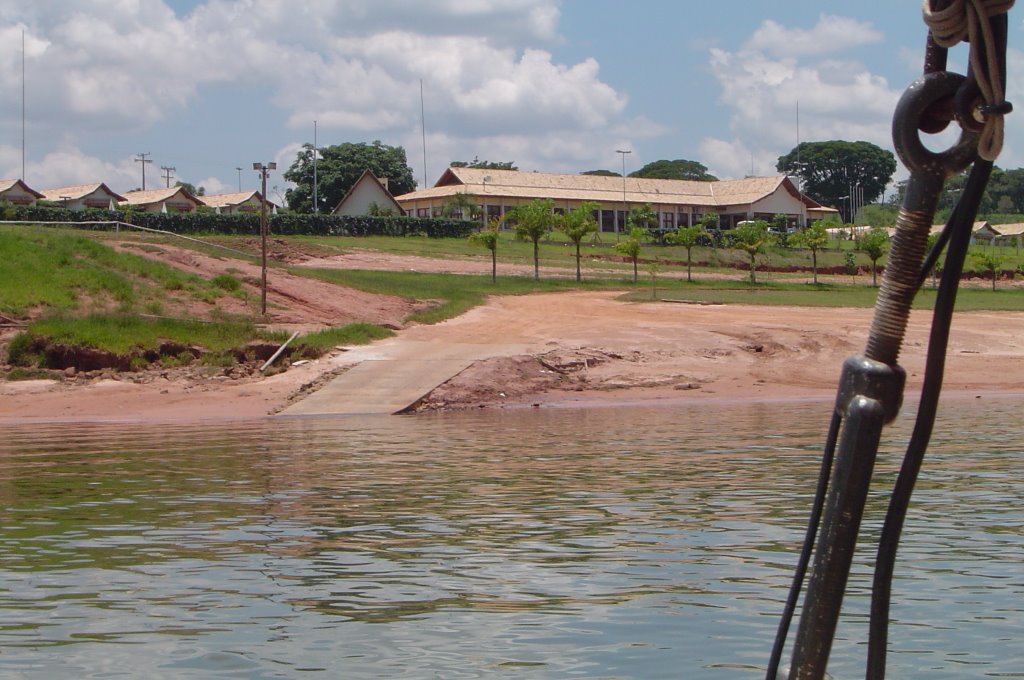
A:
<point x="290" y="224"/>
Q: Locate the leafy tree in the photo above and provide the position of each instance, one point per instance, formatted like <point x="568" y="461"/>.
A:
<point x="339" y="167"/>
<point x="688" y="237"/>
<point x="484" y="165"/>
<point x="677" y="169"/>
<point x="990" y="262"/>
<point x="932" y="240"/>
<point x="829" y="169"/>
<point x="879" y="215"/>
<point x="533" y="220"/>
<point x="191" y="188"/>
<point x="874" y="244"/>
<point x="851" y="265"/>
<point x="813" y="238"/>
<point x="488" y="238"/>
<point x="643" y="217"/>
<point x="461" y="206"/>
<point x="752" y="237"/>
<point x="630" y="247"/>
<point x="576" y="224"/>
<point x="601" y="173"/>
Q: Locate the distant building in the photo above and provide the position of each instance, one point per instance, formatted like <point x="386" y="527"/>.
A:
<point x="238" y="202"/>
<point x="368" y="191"/>
<point x="81" y="196"/>
<point x="678" y="203"/>
<point x="174" y="199"/>
<point x="17" y="192"/>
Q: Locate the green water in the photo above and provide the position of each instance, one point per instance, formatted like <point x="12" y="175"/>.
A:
<point x="607" y="543"/>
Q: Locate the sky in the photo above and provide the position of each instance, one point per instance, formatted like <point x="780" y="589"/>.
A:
<point x="210" y="86"/>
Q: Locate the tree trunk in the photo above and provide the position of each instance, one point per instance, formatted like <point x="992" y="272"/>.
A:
<point x="634" y="269"/>
<point x="536" y="260"/>
<point x="494" y="266"/>
<point x="689" y="260"/>
<point x="814" y="265"/>
<point x="578" y="262"/>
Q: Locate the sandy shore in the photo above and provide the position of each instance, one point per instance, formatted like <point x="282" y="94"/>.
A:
<point x="586" y="349"/>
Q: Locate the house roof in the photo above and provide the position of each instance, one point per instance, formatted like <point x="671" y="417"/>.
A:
<point x="8" y="184"/>
<point x="368" y="176"/>
<point x="1009" y="229"/>
<point x="605" y="189"/>
<point x="235" y="198"/>
<point x="79" y="191"/>
<point x="158" y="196"/>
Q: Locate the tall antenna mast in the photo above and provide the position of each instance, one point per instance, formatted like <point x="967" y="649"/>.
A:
<point x="316" y="205"/>
<point x="423" y="129"/>
<point x="23" y="104"/>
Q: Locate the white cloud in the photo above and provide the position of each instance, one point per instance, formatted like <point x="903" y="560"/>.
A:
<point x="69" y="166"/>
<point x="765" y="82"/>
<point x="831" y="34"/>
<point x="353" y="66"/>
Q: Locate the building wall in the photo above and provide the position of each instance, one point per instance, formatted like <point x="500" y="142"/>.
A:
<point x="18" y="196"/>
<point x="363" y="195"/>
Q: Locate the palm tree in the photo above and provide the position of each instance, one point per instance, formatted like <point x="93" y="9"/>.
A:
<point x="576" y="224"/>
<point x="533" y="220"/>
<point x="488" y="238"/>
<point x="752" y="238"/>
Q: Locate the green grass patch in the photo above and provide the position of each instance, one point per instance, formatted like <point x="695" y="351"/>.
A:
<point x="59" y="269"/>
<point x="122" y="333"/>
<point x="352" y="334"/>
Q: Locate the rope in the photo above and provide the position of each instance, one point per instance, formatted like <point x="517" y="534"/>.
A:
<point x="969" y="21"/>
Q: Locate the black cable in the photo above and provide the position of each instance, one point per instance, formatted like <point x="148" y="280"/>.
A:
<point x="808" y="547"/>
<point x="959" y="232"/>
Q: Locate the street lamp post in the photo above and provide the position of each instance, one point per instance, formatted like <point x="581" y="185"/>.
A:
<point x="263" y="169"/>
<point x="623" y="153"/>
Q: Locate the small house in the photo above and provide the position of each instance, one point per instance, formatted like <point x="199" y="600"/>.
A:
<point x="369" y="195"/>
<point x="173" y="199"/>
<point x="17" y="192"/>
<point x="82" y="196"/>
<point x="239" y="202"/>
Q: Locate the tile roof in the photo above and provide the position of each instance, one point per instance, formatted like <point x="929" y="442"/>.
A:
<point x="235" y="198"/>
<point x="8" y="184"/>
<point x="156" y="196"/>
<point x="79" y="191"/>
<point x="603" y="189"/>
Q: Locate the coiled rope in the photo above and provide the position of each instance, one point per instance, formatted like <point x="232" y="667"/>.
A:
<point x="969" y="21"/>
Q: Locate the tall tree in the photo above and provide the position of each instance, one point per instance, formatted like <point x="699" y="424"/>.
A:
<point x="484" y="165"/>
<point x="533" y="220"/>
<point x="339" y="167"/>
<point x="677" y="169"/>
<point x="829" y="171"/>
<point x="630" y="247"/>
<point x="813" y="238"/>
<point x="874" y="244"/>
<point x="688" y="237"/>
<point x="576" y="224"/>
<point x="751" y="237"/>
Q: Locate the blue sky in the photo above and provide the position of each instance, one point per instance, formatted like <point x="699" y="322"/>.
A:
<point x="209" y="86"/>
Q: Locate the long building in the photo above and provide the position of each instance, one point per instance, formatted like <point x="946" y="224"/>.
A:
<point x="677" y="202"/>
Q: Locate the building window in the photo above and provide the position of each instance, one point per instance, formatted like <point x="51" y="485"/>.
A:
<point x="422" y="212"/>
<point x="607" y="220"/>
<point x="668" y="220"/>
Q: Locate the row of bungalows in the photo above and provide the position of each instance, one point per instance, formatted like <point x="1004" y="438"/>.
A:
<point x="99" y="195"/>
<point x="678" y="203"/>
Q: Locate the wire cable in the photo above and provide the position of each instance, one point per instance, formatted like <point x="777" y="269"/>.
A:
<point x="959" y="229"/>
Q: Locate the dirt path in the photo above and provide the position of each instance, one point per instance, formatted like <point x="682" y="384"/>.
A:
<point x="566" y="349"/>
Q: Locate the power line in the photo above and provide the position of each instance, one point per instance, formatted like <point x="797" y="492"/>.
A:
<point x="141" y="158"/>
<point x="168" y="171"/>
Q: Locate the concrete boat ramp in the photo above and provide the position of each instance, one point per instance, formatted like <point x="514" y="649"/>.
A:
<point x="388" y="377"/>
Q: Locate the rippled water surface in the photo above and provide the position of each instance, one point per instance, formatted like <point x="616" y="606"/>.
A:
<point x="612" y="543"/>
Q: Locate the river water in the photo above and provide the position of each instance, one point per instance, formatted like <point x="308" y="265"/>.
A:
<point x="606" y="543"/>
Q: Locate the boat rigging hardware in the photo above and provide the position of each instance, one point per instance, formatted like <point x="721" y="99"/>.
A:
<point x="871" y="386"/>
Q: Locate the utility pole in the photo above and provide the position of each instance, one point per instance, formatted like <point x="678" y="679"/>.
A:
<point x="239" y="179"/>
<point x="168" y="171"/>
<point x="263" y="169"/>
<point x="141" y="158"/>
